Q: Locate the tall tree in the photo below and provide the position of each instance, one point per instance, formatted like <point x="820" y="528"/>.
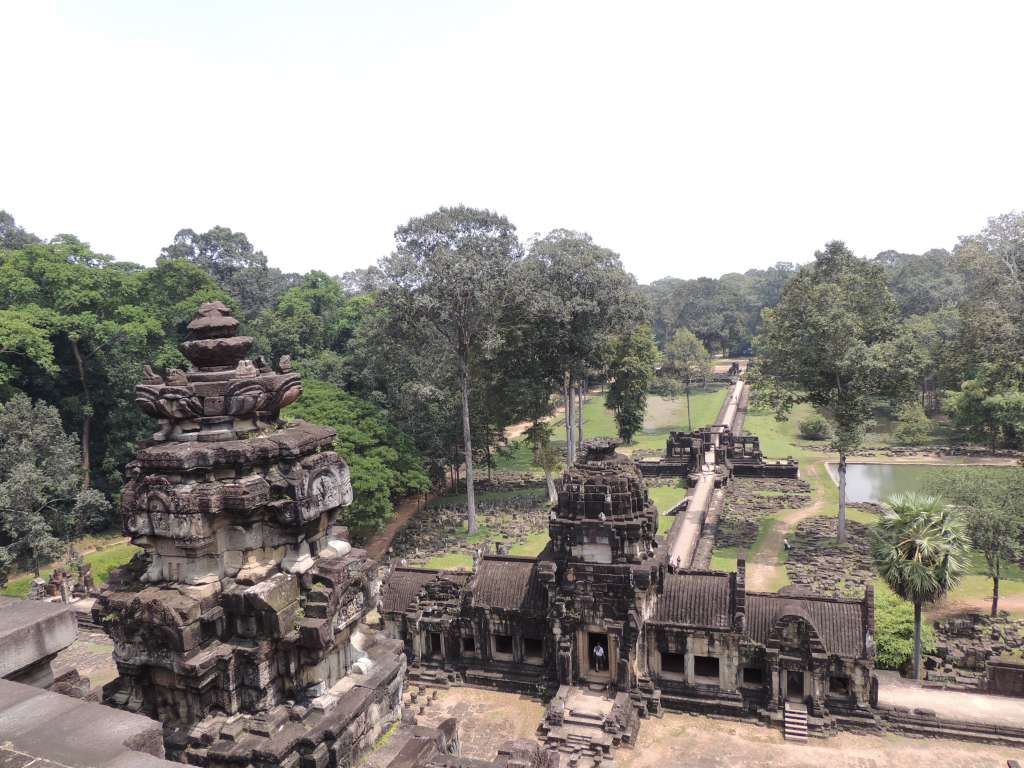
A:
<point x="688" y="360"/>
<point x="634" y="357"/>
<point x="832" y="342"/>
<point x="12" y="236"/>
<point x="989" y="407"/>
<point x="454" y="270"/>
<point x="920" y="548"/>
<point x="580" y="296"/>
<point x="232" y="261"/>
<point x="992" y="501"/>
<point x="42" y="504"/>
<point x="545" y="455"/>
<point x="219" y="251"/>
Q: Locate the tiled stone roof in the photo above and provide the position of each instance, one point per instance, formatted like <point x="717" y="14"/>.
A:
<point x="402" y="586"/>
<point x="509" y="583"/>
<point x="696" y="599"/>
<point x="838" y="622"/>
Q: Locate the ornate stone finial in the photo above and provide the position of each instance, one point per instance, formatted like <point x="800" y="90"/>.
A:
<point x="212" y="342"/>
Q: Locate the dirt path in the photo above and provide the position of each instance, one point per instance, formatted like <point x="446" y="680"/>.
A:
<point x="763" y="569"/>
<point x="983" y="605"/>
<point x="516" y="431"/>
<point x="407" y="507"/>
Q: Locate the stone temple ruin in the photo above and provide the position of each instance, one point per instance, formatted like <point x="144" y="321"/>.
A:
<point x="240" y="638"/>
<point x="238" y="626"/>
<point x="603" y="623"/>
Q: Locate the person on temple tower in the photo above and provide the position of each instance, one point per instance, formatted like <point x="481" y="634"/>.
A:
<point x="599" y="657"/>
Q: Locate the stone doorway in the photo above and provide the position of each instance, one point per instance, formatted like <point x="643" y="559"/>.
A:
<point x="794" y="685"/>
<point x="433" y="645"/>
<point x="598" y="653"/>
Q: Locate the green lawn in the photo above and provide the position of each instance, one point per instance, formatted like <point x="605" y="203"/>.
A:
<point x="458" y="561"/>
<point x="517" y="458"/>
<point x="452" y="562"/>
<point x="533" y="545"/>
<point x="780" y="439"/>
<point x="665" y="498"/>
<point x="103" y="561"/>
<point x="663" y="416"/>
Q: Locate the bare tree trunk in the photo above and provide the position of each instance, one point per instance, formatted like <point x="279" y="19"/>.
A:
<point x="467" y="441"/>
<point x="552" y="491"/>
<point x="841" y="536"/>
<point x="86" y="414"/>
<point x="570" y="432"/>
<point x="581" y="388"/>
<point x="995" y="595"/>
<point x="917" y="641"/>
<point x="689" y="418"/>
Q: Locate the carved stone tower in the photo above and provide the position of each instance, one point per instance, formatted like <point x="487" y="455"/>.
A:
<point x="247" y="596"/>
<point x="604" y="514"/>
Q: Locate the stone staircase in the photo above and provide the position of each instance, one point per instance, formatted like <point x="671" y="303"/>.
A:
<point x="794" y="724"/>
<point x="585" y="726"/>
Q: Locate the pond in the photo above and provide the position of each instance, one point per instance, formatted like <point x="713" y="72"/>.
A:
<point x="876" y="482"/>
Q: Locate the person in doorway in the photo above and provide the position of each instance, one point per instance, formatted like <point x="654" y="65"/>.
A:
<point x="599" y="661"/>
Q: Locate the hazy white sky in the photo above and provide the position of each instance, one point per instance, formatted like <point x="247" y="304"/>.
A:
<point x="693" y="138"/>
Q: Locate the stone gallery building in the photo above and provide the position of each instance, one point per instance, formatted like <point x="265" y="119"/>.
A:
<point x="601" y="608"/>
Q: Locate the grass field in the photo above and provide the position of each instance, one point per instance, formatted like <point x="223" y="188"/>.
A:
<point x="663" y="415"/>
<point x="664" y="499"/>
<point x="532" y="547"/>
<point x="103" y="561"/>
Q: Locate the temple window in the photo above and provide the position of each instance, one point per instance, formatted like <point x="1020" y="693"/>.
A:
<point x="753" y="676"/>
<point x="705" y="669"/>
<point x="469" y="645"/>
<point x="838" y="685"/>
<point x="503" y="645"/>
<point x="673" y="663"/>
<point x="533" y="649"/>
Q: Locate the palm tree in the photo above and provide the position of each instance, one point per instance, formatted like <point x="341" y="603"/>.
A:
<point x="920" y="547"/>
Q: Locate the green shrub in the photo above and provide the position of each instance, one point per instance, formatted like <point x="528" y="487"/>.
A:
<point x="894" y="631"/>
<point x="912" y="427"/>
<point x="815" y="428"/>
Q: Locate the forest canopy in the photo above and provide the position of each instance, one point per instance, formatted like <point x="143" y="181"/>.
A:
<point x="410" y="373"/>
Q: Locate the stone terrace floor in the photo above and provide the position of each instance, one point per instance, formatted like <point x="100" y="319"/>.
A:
<point x="950" y="705"/>
<point x="487" y="719"/>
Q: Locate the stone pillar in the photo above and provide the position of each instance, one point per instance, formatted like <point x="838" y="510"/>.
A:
<point x="565" y="661"/>
<point x="776" y="684"/>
